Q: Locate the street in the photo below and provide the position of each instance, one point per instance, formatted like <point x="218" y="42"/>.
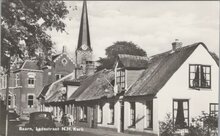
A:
<point x="19" y="129"/>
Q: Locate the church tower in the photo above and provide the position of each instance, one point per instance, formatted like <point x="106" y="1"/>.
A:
<point x="84" y="53"/>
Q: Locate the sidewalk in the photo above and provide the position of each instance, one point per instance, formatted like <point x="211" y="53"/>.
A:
<point x="103" y="132"/>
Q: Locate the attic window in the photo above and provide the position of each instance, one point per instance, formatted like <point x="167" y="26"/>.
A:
<point x="199" y="76"/>
<point x="120" y="78"/>
<point x="64" y="61"/>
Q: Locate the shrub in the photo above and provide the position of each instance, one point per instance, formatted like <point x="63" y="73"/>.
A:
<point x="167" y="127"/>
<point x="204" y="125"/>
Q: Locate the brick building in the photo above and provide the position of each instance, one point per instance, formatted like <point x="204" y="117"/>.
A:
<point x="27" y="78"/>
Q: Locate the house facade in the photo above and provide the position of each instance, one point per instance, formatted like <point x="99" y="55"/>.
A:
<point x="27" y="79"/>
<point x="182" y="82"/>
<point x="142" y="95"/>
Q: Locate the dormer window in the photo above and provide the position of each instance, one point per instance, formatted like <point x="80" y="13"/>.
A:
<point x="120" y="78"/>
<point x="199" y="76"/>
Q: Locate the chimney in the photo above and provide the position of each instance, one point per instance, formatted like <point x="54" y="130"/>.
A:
<point x="176" y="44"/>
<point x="64" y="49"/>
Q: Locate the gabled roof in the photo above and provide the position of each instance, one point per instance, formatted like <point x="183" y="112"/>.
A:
<point x="95" y="86"/>
<point x="30" y="64"/>
<point x="132" y="61"/>
<point x="160" y="70"/>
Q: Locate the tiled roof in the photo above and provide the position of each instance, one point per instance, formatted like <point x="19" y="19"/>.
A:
<point x="160" y="70"/>
<point x="95" y="86"/>
<point x="55" y="56"/>
<point x="30" y="64"/>
<point x="132" y="61"/>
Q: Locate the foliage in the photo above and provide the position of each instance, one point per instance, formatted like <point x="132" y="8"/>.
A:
<point x="204" y="125"/>
<point x="119" y="47"/>
<point x="24" y="24"/>
<point x="167" y="127"/>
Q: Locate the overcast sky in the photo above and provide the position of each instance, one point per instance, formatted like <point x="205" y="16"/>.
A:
<point x="153" y="25"/>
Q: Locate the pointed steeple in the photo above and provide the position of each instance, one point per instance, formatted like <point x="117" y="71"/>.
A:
<point x="84" y="36"/>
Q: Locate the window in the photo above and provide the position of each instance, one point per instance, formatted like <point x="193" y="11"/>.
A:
<point x="30" y="100"/>
<point x="199" y="76"/>
<point x="100" y="114"/>
<point x="9" y="100"/>
<point x="64" y="61"/>
<point x="59" y="76"/>
<point x="213" y="109"/>
<point x="181" y="113"/>
<point x="132" y="113"/>
<point x="17" y="79"/>
<point x="120" y="78"/>
<point x="30" y="82"/>
<point x="1" y="82"/>
<point x="83" y="113"/>
<point x="111" y="107"/>
<point x="149" y="114"/>
<point x="31" y="79"/>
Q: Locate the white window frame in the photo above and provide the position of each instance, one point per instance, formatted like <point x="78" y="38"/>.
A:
<point x="30" y="106"/>
<point x="64" y="63"/>
<point x="11" y="97"/>
<point x="31" y="75"/>
<point x="17" y="79"/>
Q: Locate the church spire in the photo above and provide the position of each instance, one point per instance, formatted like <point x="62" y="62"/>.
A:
<point x="84" y="36"/>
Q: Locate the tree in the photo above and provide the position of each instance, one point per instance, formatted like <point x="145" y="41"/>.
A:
<point x="119" y="47"/>
<point x="24" y="24"/>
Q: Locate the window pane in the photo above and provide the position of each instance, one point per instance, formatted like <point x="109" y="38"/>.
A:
<point x="192" y="68"/>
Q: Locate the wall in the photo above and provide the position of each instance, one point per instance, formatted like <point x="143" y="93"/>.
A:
<point x="59" y="68"/>
<point x="70" y="90"/>
<point x="25" y="90"/>
<point x="178" y="87"/>
<point x="140" y="116"/>
<point x="106" y="115"/>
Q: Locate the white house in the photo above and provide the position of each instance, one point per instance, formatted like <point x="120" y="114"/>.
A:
<point x="182" y="82"/>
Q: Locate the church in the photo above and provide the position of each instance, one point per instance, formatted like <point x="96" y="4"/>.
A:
<point x="30" y="82"/>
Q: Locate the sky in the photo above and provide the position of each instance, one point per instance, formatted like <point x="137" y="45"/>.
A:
<point x="152" y="25"/>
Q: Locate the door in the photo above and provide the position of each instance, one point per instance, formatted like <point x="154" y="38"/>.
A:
<point x="122" y="117"/>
